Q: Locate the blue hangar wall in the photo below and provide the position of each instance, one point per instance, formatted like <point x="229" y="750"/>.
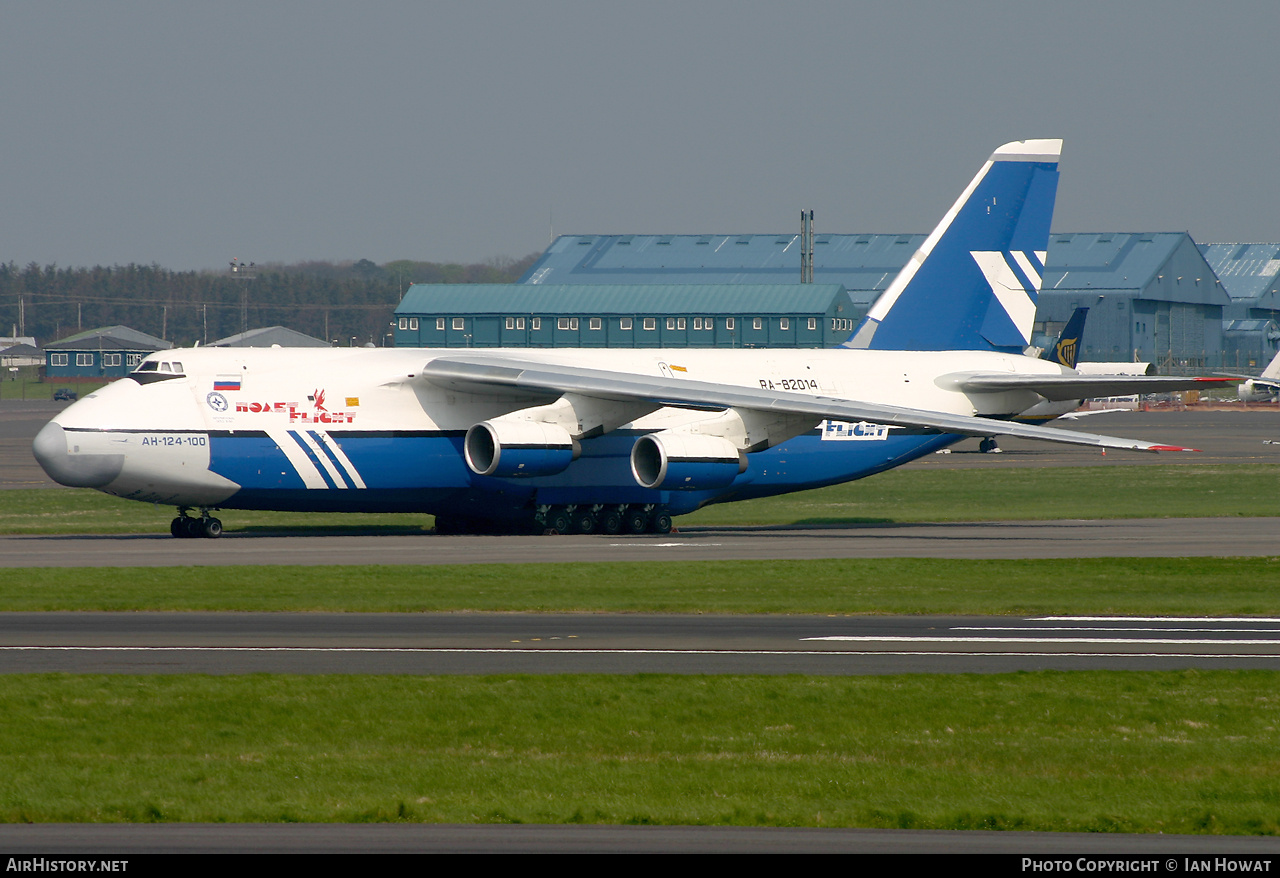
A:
<point x="1153" y="296"/>
<point x="629" y="315"/>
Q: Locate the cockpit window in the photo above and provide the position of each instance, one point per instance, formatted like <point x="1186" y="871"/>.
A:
<point x="151" y="371"/>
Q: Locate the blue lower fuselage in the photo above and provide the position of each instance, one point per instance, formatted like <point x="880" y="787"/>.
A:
<point x="405" y="471"/>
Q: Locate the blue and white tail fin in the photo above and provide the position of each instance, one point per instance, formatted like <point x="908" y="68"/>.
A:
<point x="1066" y="350"/>
<point x="974" y="283"/>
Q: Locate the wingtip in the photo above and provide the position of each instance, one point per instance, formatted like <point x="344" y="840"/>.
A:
<point x="1171" y="448"/>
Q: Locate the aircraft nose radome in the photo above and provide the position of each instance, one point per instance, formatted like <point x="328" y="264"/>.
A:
<point x="73" y="470"/>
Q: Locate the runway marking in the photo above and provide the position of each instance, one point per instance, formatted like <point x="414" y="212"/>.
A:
<point x="1154" y="619"/>
<point x="562" y="653"/>
<point x="1087" y="628"/>
<point x="1172" y="641"/>
<point x="663" y="545"/>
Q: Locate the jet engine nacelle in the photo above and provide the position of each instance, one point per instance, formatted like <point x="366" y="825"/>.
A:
<point x="676" y="461"/>
<point x="1248" y="391"/>
<point x="515" y="448"/>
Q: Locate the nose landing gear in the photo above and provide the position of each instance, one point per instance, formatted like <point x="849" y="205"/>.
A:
<point x="186" y="527"/>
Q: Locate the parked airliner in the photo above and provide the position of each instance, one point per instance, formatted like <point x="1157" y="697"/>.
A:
<point x="1263" y="388"/>
<point x="602" y="440"/>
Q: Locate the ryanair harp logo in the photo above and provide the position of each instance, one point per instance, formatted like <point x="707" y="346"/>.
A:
<point x="1065" y="352"/>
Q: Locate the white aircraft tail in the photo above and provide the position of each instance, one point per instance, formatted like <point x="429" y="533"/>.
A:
<point x="974" y="283"/>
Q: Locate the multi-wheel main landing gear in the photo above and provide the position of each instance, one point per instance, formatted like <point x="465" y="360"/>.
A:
<point x="584" y="519"/>
<point x="631" y="519"/>
<point x="186" y="527"/>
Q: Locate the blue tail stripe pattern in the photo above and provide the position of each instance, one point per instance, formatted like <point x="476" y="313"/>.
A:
<point x="944" y="299"/>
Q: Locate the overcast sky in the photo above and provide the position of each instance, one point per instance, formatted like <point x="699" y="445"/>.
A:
<point x="187" y="133"/>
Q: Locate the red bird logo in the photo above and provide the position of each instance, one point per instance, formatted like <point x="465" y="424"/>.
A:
<point x="319" y="397"/>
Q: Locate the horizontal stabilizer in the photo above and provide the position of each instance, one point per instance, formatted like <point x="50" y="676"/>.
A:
<point x="1057" y="388"/>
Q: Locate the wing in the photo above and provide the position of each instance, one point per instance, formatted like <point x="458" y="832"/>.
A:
<point x="478" y="373"/>
<point x="1258" y="381"/>
<point x="1056" y="388"/>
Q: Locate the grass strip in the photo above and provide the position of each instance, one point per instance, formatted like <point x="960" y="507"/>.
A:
<point x="1180" y="752"/>
<point x="1141" y="586"/>
<point x="1114" y="491"/>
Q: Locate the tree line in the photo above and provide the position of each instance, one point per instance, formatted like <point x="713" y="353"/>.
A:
<point x="346" y="302"/>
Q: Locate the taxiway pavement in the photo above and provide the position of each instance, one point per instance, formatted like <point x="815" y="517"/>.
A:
<point x="1155" y="537"/>
<point x="576" y="643"/>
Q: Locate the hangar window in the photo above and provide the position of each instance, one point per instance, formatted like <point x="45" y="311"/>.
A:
<point x="595" y="323"/>
<point x="440" y="323"/>
<point x="519" y="323"/>
<point x="671" y="323"/>
<point x="784" y="323"/>
<point x="728" y="323"/>
<point x="511" y="323"/>
<point x="813" y="322"/>
<point x="573" y="322"/>
<point x="111" y="359"/>
<point x="537" y="323"/>
<point x="756" y="323"/>
<point x="624" y="323"/>
<point x="413" y="323"/>
<point x="697" y="323"/>
<point x="57" y="359"/>
<point x="459" y="323"/>
<point x="133" y="359"/>
<point x="650" y="323"/>
<point x="84" y="359"/>
<point x="680" y="323"/>
<point x="404" y="323"/>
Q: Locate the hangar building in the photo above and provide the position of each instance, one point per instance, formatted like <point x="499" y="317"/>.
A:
<point x="626" y="314"/>
<point x="1250" y="273"/>
<point x="109" y="352"/>
<point x="1152" y="296"/>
